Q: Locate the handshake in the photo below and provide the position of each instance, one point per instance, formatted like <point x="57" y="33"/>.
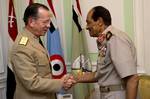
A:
<point x="80" y="77"/>
<point x="68" y="81"/>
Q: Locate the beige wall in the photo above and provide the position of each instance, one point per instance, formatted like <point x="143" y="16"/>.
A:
<point x="142" y="24"/>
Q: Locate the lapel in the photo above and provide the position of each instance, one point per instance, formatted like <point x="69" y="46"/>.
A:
<point x="38" y="46"/>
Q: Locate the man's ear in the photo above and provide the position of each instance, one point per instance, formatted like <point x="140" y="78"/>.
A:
<point x="100" y="21"/>
<point x="31" y="21"/>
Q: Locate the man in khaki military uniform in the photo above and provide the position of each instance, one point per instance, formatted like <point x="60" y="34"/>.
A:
<point x="116" y="65"/>
<point x="30" y="60"/>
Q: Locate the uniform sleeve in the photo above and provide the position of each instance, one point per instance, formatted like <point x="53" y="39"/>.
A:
<point x="25" y="70"/>
<point x="122" y="57"/>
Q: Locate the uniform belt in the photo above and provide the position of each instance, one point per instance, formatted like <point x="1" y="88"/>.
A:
<point x="111" y="88"/>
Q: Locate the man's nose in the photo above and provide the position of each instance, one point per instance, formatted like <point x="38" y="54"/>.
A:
<point x="48" y="25"/>
<point x="87" y="28"/>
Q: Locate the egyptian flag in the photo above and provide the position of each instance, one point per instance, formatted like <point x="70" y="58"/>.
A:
<point x="80" y="56"/>
<point x="54" y="48"/>
<point x="13" y="31"/>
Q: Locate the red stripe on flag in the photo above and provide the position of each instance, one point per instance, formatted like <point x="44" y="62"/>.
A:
<point x="12" y="23"/>
<point x="78" y="6"/>
<point x="30" y="2"/>
<point x="51" y="6"/>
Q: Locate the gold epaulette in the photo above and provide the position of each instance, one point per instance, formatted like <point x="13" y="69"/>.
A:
<point x="23" y="40"/>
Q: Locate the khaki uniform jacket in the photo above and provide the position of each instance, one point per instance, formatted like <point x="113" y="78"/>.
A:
<point x="117" y="60"/>
<point x="32" y="71"/>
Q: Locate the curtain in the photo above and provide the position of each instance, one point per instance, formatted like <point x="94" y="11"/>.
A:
<point x="3" y="46"/>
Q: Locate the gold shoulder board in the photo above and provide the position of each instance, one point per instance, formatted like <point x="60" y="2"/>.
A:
<point x="23" y="40"/>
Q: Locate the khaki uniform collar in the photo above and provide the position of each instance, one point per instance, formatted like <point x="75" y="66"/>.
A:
<point x="27" y="33"/>
<point x="102" y="38"/>
<point x="35" y="44"/>
<point x="109" y="28"/>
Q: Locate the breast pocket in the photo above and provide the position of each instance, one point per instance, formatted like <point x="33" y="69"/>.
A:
<point x="107" y="59"/>
<point x="43" y="66"/>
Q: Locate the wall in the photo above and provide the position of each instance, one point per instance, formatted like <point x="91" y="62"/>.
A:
<point x="3" y="47"/>
<point x="142" y="24"/>
<point x="146" y="33"/>
<point x="141" y="29"/>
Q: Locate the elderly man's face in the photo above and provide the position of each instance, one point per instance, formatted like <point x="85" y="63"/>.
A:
<point x="41" y="24"/>
<point x="93" y="27"/>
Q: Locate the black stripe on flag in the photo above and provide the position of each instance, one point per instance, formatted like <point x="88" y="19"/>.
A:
<point x="75" y="19"/>
<point x="52" y="28"/>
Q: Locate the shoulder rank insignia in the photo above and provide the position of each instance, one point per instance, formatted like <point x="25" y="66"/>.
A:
<point x="23" y="40"/>
<point x="108" y="35"/>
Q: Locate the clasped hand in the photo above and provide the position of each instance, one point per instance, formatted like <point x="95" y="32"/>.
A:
<point x="68" y="81"/>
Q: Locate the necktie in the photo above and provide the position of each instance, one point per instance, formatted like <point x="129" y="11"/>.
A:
<point x="40" y="41"/>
